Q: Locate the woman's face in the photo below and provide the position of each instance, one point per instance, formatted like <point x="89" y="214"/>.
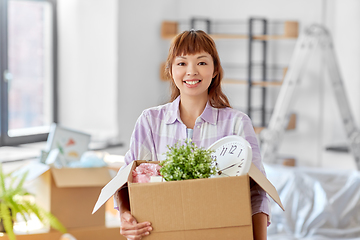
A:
<point x="193" y="74"/>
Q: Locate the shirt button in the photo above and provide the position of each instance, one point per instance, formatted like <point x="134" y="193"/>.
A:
<point x="198" y="126"/>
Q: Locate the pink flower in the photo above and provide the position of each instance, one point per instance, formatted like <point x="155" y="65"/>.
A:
<point x="144" y="171"/>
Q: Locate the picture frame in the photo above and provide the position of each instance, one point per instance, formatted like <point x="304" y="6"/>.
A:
<point x="71" y="143"/>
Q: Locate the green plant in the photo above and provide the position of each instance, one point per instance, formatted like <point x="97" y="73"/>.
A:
<point x="187" y="161"/>
<point x="14" y="200"/>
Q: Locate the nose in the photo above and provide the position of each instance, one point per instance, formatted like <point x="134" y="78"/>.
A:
<point x="191" y="70"/>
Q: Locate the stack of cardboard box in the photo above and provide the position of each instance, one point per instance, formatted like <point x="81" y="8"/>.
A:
<point x="69" y="194"/>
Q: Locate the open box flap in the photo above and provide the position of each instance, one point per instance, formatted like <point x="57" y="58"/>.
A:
<point x="113" y="186"/>
<point x="34" y="170"/>
<point x="81" y="177"/>
<point x="265" y="184"/>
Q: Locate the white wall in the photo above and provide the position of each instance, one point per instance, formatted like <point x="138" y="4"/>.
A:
<point x="141" y="51"/>
<point x="131" y="52"/>
<point x="88" y="44"/>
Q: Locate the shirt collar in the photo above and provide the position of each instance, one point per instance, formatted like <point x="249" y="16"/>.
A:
<point x="210" y="114"/>
<point x="173" y="112"/>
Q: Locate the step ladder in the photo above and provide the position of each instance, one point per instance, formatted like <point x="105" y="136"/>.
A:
<point x="315" y="36"/>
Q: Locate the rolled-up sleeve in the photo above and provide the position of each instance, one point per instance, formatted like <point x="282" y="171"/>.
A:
<point x="259" y="199"/>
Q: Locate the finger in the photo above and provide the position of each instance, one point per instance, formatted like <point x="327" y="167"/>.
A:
<point x="133" y="221"/>
<point x="128" y="217"/>
<point x="132" y="237"/>
<point x="137" y="232"/>
<point x="129" y="226"/>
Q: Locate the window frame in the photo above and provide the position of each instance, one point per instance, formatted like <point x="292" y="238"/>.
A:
<point x="5" y="139"/>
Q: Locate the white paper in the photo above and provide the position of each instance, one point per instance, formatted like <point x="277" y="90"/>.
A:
<point x="34" y="169"/>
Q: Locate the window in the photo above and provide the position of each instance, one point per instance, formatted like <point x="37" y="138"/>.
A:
<point x="28" y="70"/>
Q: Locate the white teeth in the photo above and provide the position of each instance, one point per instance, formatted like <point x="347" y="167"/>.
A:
<point x="192" y="82"/>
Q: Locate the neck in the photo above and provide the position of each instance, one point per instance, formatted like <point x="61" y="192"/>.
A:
<point x="191" y="108"/>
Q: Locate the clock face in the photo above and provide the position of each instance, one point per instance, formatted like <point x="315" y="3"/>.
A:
<point x="233" y="155"/>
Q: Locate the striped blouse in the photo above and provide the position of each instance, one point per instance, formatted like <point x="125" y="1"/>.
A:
<point x="161" y="126"/>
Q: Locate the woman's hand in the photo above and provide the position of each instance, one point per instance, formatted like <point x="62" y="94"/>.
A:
<point x="131" y="229"/>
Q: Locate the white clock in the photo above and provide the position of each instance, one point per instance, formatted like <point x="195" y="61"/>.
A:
<point x="233" y="155"/>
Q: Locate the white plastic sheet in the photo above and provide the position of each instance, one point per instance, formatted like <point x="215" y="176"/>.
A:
<point x="320" y="204"/>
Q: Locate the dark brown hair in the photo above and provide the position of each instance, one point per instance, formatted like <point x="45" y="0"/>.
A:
<point x="192" y="42"/>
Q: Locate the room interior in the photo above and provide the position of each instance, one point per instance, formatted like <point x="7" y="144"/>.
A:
<point x="109" y="69"/>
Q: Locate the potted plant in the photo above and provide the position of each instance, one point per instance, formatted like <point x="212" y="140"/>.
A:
<point x="15" y="200"/>
<point x="187" y="161"/>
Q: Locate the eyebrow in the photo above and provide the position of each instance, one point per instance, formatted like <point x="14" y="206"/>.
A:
<point x="202" y="56"/>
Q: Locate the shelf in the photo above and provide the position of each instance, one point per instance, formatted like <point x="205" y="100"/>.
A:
<point x="254" y="83"/>
<point x="338" y="148"/>
<point x="258" y="129"/>
<point x="228" y="36"/>
<point x="169" y="29"/>
<point x="272" y="37"/>
<point x="238" y="36"/>
<point x="258" y="65"/>
<point x="257" y="83"/>
<point x="291" y="124"/>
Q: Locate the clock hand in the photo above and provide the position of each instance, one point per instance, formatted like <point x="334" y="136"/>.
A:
<point x="228" y="167"/>
<point x="223" y="174"/>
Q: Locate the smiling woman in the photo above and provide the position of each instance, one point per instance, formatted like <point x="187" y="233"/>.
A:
<point x="193" y="74"/>
<point x="198" y="111"/>
<point x="195" y="42"/>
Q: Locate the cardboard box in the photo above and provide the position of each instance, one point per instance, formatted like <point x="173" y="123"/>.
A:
<point x="90" y="233"/>
<point x="68" y="193"/>
<point x="213" y="208"/>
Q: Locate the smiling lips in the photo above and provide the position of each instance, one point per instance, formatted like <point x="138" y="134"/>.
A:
<point x="192" y="83"/>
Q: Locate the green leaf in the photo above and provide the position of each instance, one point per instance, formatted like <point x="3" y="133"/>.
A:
<point x="13" y="197"/>
<point x="187" y="161"/>
<point x="53" y="221"/>
<point x="7" y="221"/>
<point x="2" y="181"/>
<point x="19" y="188"/>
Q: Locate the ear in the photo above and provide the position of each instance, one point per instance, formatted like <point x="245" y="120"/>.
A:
<point x="215" y="73"/>
<point x="170" y="71"/>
